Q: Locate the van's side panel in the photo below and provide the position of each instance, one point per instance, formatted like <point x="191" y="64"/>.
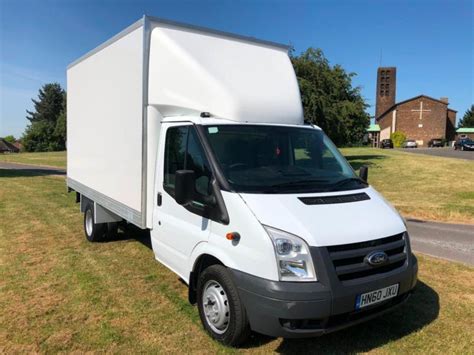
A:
<point x="105" y="121"/>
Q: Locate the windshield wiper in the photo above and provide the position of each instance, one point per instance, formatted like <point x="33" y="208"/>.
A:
<point x="347" y="180"/>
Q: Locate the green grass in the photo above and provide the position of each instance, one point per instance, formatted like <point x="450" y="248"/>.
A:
<point x="420" y="186"/>
<point x="59" y="293"/>
<point x="55" y="159"/>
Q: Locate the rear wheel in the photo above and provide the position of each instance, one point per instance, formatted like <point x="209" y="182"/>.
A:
<point x="220" y="308"/>
<point x="95" y="232"/>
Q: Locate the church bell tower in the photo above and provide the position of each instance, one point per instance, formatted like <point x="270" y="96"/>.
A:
<point x="386" y="85"/>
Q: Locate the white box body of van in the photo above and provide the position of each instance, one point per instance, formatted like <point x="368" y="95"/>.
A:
<point x="168" y="123"/>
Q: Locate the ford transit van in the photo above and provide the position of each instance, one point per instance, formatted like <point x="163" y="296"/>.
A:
<point x="198" y="136"/>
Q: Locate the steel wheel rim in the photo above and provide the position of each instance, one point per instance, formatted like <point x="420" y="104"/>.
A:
<point x="89" y="222"/>
<point x="216" y="306"/>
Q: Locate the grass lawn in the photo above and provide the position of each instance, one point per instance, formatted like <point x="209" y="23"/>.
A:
<point x="61" y="293"/>
<point x="56" y="159"/>
<point x="419" y="186"/>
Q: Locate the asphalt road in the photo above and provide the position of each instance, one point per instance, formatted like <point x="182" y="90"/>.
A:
<point x="448" y="241"/>
<point x="45" y="170"/>
<point x="447" y="152"/>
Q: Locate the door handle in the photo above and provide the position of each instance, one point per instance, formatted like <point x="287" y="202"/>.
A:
<point x="158" y="199"/>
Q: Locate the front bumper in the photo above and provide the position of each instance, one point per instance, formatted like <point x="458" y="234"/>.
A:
<point x="308" y="309"/>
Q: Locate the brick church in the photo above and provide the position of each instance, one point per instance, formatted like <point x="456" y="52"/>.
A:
<point x="420" y="118"/>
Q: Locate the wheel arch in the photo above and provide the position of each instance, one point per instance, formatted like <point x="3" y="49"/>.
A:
<point x="203" y="258"/>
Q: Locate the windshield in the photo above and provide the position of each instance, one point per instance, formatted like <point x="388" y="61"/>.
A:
<point x="277" y="159"/>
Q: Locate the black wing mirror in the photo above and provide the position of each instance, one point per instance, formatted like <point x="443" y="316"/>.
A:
<point x="364" y="173"/>
<point x="184" y="191"/>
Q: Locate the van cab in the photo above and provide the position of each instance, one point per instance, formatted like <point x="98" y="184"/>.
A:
<point x="301" y="255"/>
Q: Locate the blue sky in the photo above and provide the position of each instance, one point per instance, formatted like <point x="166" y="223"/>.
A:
<point x="430" y="42"/>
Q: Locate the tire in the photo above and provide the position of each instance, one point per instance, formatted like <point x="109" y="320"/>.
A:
<point x="95" y="232"/>
<point x="229" y="324"/>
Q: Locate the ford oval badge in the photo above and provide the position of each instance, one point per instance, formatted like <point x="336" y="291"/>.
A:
<point x="377" y="258"/>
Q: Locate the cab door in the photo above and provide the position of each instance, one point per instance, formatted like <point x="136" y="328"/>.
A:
<point x="178" y="229"/>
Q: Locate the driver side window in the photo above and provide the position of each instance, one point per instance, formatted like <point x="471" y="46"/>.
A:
<point x="183" y="151"/>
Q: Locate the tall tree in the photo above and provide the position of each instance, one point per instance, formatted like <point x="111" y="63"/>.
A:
<point x="328" y="98"/>
<point x="468" y="118"/>
<point x="49" y="104"/>
<point x="46" y="131"/>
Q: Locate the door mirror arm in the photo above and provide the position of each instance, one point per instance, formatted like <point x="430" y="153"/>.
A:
<point x="209" y="200"/>
<point x="364" y="173"/>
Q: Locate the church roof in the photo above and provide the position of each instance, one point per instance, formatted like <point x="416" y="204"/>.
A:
<point x="412" y="99"/>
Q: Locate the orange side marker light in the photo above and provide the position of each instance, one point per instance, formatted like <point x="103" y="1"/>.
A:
<point x="232" y="236"/>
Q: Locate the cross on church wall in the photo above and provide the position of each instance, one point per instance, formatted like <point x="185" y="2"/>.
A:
<point x="421" y="110"/>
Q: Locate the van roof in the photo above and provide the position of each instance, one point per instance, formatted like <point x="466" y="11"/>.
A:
<point x="157" y="20"/>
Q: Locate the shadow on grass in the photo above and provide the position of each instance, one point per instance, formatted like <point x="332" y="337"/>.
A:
<point x="27" y="172"/>
<point x="129" y="232"/>
<point x="357" y="161"/>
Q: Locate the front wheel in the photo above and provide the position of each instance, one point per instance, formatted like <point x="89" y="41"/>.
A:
<point x="221" y="311"/>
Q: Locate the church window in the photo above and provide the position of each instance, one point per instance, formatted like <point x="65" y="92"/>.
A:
<point x="381" y="92"/>
<point x="386" y="92"/>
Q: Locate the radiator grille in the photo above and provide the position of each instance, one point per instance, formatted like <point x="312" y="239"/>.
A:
<point x="350" y="262"/>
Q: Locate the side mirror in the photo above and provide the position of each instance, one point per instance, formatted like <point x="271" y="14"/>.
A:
<point x="184" y="186"/>
<point x="364" y="173"/>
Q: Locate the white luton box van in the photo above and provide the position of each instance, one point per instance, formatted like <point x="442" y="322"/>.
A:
<point x="198" y="136"/>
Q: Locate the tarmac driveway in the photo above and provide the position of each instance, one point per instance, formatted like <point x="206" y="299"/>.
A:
<point x="444" y="240"/>
<point x="447" y="152"/>
<point x="34" y="169"/>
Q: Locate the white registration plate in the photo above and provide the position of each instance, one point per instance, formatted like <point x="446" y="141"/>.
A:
<point x="373" y="297"/>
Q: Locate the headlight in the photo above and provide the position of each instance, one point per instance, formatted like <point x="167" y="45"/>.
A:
<point x="293" y="257"/>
